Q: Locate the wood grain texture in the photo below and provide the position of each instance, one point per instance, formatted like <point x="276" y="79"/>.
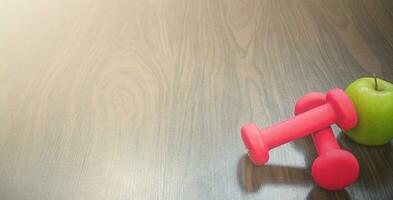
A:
<point x="144" y="99"/>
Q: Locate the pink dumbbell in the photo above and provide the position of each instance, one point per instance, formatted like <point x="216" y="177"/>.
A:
<point x="334" y="169"/>
<point x="337" y="109"/>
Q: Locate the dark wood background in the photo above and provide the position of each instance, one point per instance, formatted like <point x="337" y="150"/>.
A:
<point x="144" y="99"/>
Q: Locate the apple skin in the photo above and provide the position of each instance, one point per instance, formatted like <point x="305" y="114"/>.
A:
<point x="374" y="109"/>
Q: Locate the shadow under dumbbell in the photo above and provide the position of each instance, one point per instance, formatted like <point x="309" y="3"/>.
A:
<point x="306" y="146"/>
<point x="251" y="178"/>
<point x="321" y="194"/>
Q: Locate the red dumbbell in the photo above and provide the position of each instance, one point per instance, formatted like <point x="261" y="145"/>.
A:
<point x="337" y="109"/>
<point x="334" y="169"/>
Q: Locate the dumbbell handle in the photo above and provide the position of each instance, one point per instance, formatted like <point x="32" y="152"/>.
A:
<point x="324" y="141"/>
<point x="299" y="126"/>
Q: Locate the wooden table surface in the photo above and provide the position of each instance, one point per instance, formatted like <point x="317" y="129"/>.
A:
<point x="144" y="99"/>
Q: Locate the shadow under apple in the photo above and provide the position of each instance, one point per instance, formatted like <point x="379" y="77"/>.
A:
<point x="376" y="164"/>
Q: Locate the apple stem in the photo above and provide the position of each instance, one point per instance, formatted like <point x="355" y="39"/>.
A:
<point x="375" y="80"/>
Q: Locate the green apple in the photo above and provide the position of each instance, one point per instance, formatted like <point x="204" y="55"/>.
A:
<point x="374" y="107"/>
